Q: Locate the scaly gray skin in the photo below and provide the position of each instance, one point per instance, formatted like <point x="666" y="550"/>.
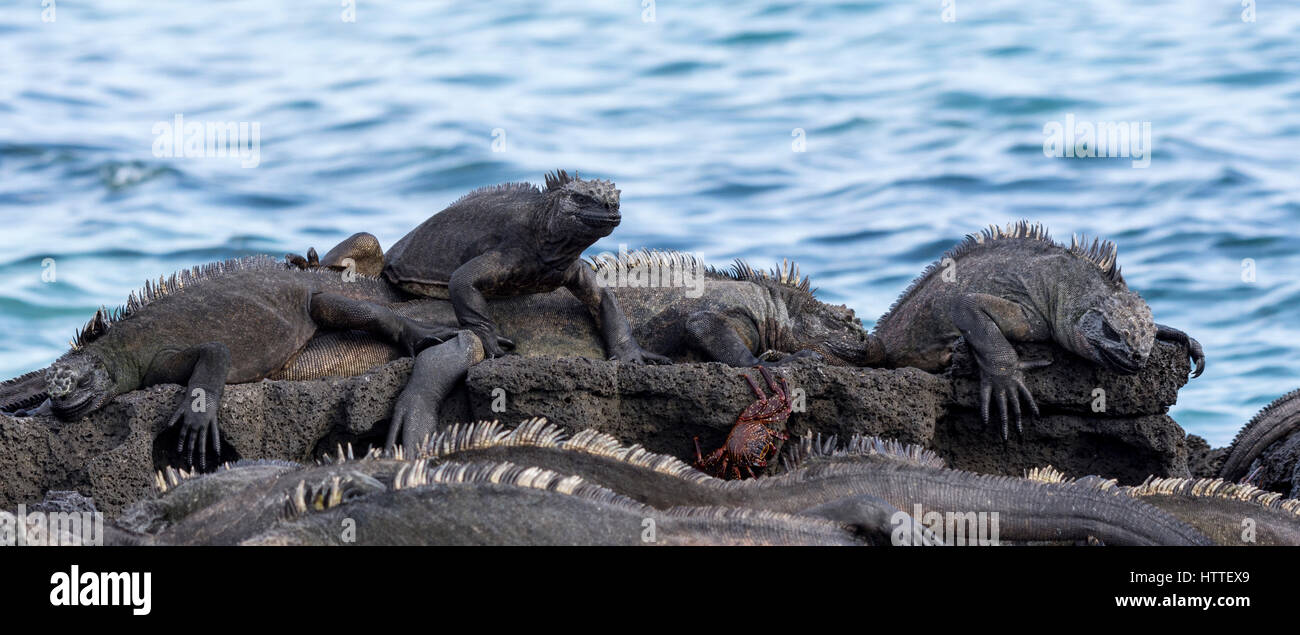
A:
<point x="1274" y="422"/>
<point x="1016" y="284"/>
<point x="504" y="504"/>
<point x="1229" y="513"/>
<point x="516" y="239"/>
<point x="901" y="476"/>
<point x="229" y="322"/>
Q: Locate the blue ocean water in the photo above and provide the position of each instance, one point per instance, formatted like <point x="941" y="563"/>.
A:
<point x="915" y="130"/>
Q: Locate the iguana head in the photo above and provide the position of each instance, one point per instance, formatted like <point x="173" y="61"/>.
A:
<point x="78" y="384"/>
<point x="836" y="333"/>
<point x="582" y="207"/>
<point x="1117" y="333"/>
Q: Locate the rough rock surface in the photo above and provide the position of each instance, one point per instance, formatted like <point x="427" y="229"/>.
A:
<point x="1094" y="422"/>
<point x="663" y="408"/>
<point x="111" y="456"/>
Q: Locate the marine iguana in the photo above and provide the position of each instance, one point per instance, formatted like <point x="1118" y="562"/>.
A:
<point x="1274" y="422"/>
<point x="227" y="322"/>
<point x="1018" y="284"/>
<point x="900" y="475"/>
<point x="516" y="239"/>
<point x="1229" y="513"/>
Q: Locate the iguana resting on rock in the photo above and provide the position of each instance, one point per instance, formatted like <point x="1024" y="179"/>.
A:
<point x="1229" y="513"/>
<point x="894" y="474"/>
<point x="1017" y="284"/>
<point x="228" y="322"/>
<point x="510" y="240"/>
<point x="1273" y="423"/>
<point x="740" y="317"/>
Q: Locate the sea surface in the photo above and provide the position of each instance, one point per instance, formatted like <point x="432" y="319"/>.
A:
<point x="918" y="123"/>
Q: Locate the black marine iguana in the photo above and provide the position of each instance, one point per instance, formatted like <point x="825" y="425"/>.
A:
<point x="1018" y="284"/>
<point x="516" y="239"/>
<point x="227" y="322"/>
<point x="819" y="476"/>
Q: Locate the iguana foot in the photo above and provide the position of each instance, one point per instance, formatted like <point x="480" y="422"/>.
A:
<point x="1194" y="350"/>
<point x="312" y="261"/>
<point x="200" y="426"/>
<point x="637" y="355"/>
<point x="1008" y="389"/>
<point x="493" y="345"/>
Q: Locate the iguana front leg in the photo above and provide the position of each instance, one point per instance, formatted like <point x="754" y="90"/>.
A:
<point x="620" y="343"/>
<point x="486" y="272"/>
<point x="731" y="340"/>
<point x="985" y="321"/>
<point x="207" y="366"/>
<point x="1194" y="351"/>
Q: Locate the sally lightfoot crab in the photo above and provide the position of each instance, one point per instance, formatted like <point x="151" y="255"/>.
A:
<point x="751" y="441"/>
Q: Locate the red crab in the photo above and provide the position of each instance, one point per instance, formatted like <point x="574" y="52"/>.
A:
<point x="750" y="442"/>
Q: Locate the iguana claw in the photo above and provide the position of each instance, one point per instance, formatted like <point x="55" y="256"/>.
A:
<point x="1009" y="389"/>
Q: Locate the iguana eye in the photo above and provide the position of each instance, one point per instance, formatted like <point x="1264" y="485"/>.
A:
<point x="583" y="199"/>
<point x="1109" y="332"/>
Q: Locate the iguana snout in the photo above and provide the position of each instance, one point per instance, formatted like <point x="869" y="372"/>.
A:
<point x="77" y="385"/>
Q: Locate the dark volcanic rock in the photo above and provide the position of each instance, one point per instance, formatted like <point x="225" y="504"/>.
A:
<point x="111" y="456"/>
<point x="664" y="407"/>
<point x="1202" y="460"/>
<point x="1094" y="422"/>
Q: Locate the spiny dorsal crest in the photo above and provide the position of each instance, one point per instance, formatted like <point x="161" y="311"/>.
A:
<point x="1046" y="474"/>
<point x="420" y="474"/>
<point x="328" y="494"/>
<point x="168" y="478"/>
<point x="1104" y="254"/>
<point x="812" y="447"/>
<point x="538" y="432"/>
<point x="786" y="274"/>
<point x="1214" y="488"/>
<point x="104" y="319"/>
<point x="1101" y="253"/>
<point x="645" y="257"/>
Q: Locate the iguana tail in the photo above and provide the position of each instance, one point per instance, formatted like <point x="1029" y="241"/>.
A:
<point x="1273" y="423"/>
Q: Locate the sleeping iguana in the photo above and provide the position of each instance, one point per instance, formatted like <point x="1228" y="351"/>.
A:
<point x="228" y="322"/>
<point x="1017" y="284"/>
